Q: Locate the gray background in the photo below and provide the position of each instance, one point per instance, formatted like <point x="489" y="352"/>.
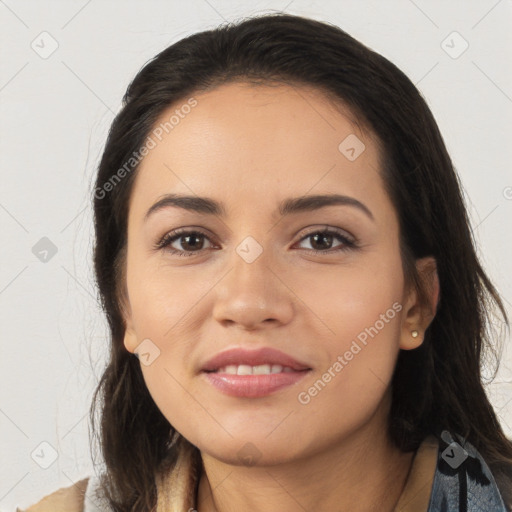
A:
<point x="55" y="113"/>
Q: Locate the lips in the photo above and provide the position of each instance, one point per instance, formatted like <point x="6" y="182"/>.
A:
<point x="253" y="386"/>
<point x="259" y="357"/>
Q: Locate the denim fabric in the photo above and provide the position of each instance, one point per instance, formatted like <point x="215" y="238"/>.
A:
<point x="463" y="481"/>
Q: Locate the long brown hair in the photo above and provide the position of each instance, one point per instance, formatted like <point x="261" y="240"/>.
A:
<point x="436" y="386"/>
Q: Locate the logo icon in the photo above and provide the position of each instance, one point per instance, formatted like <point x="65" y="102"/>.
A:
<point x="147" y="352"/>
<point x="44" y="249"/>
<point x="44" y="455"/>
<point x="44" y="45"/>
<point x="454" y="455"/>
<point x="249" y="454"/>
<point x="351" y="147"/>
<point x="454" y="45"/>
<point x="249" y="249"/>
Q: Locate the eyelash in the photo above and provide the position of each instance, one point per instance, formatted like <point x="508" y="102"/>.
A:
<point x="169" y="238"/>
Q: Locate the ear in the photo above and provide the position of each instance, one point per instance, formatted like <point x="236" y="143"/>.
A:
<point x="130" y="336"/>
<point x="419" y="312"/>
<point x="121" y="293"/>
<point x="130" y="340"/>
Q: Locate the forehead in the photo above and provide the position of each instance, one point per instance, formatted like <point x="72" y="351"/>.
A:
<point x="259" y="143"/>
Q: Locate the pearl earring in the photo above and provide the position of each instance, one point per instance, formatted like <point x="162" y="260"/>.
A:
<point x="414" y="333"/>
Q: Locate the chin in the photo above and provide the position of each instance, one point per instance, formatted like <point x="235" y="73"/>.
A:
<point x="250" y="454"/>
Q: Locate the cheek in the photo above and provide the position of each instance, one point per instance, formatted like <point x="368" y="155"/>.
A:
<point x="165" y="309"/>
<point x="163" y="298"/>
<point x="360" y="312"/>
<point x="360" y="301"/>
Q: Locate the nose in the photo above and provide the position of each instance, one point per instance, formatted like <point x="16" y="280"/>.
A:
<point x="253" y="295"/>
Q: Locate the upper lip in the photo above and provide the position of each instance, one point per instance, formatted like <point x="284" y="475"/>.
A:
<point x="265" y="355"/>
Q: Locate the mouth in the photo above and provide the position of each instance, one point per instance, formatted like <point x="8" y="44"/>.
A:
<point x="253" y="373"/>
<point x="262" y="361"/>
<point x="244" y="381"/>
<point x="262" y="369"/>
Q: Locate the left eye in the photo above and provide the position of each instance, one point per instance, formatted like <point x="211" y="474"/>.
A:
<point x="326" y="237"/>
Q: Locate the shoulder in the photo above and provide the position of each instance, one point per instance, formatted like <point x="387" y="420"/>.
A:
<point x="503" y="478"/>
<point x="66" y="499"/>
<point x="464" y="476"/>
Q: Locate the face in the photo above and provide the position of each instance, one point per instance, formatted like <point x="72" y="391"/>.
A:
<point x="321" y="282"/>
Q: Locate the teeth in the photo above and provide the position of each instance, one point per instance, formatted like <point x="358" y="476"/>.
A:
<point x="263" y="369"/>
<point x="245" y="369"/>
<point x="276" y="368"/>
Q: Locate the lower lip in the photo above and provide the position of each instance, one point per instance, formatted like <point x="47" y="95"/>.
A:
<point x="253" y="386"/>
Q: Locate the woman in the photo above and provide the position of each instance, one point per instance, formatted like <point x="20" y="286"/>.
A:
<point x="282" y="244"/>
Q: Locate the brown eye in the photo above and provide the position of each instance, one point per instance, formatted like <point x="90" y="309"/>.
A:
<point x="183" y="242"/>
<point x="191" y="242"/>
<point x="322" y="241"/>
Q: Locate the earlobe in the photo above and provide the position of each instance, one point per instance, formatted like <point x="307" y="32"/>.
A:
<point x="130" y="339"/>
<point x="411" y="339"/>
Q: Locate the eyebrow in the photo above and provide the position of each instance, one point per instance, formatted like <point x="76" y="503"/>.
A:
<point x="286" y="207"/>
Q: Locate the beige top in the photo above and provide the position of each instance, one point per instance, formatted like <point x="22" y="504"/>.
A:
<point x="176" y="490"/>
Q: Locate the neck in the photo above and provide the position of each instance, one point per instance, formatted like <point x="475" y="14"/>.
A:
<point x="362" y="472"/>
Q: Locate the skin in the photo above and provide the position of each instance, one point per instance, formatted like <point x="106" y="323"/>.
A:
<point x="249" y="147"/>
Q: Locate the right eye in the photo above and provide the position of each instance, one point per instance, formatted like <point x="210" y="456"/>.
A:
<point x="191" y="241"/>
